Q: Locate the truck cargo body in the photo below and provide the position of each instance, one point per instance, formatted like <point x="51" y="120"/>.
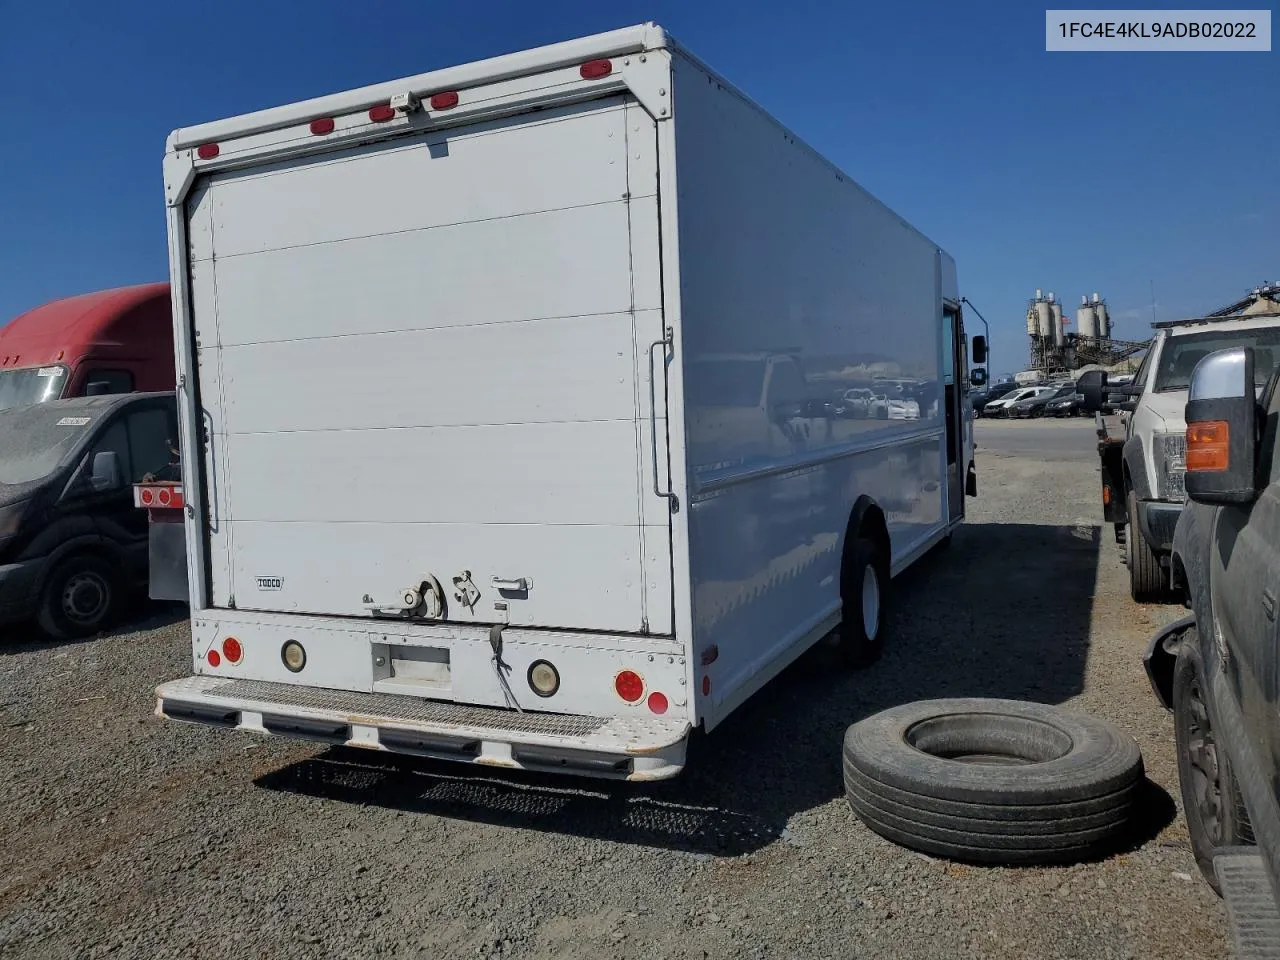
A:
<point x="507" y="395"/>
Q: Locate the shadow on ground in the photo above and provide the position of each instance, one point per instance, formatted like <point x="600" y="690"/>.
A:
<point x="140" y="616"/>
<point x="1003" y="612"/>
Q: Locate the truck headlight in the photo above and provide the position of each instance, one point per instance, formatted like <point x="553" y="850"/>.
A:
<point x="1170" y="454"/>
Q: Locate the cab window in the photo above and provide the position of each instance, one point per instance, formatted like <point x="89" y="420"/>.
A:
<point x="108" y="381"/>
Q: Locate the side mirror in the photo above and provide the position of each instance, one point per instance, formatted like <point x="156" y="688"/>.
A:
<point x="1221" y="414"/>
<point x="979" y="349"/>
<point x="977" y="376"/>
<point x="1092" y="387"/>
<point x="106" y="472"/>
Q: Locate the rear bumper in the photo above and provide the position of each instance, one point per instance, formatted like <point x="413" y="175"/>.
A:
<point x="1157" y="520"/>
<point x="629" y="748"/>
<point x="18" y="583"/>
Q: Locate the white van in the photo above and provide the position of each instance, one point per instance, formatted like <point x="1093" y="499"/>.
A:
<point x="501" y="435"/>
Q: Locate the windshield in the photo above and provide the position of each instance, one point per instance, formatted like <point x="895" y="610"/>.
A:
<point x="37" y="439"/>
<point x="724" y="383"/>
<point x="1181" y="354"/>
<point x="18" y="388"/>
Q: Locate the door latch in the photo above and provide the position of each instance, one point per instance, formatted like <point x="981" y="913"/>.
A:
<point x="465" y="591"/>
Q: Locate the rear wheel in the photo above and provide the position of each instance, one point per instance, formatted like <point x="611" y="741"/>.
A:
<point x="863" y="584"/>
<point x="80" y="597"/>
<point x="1147" y="580"/>
<point x="1211" y="801"/>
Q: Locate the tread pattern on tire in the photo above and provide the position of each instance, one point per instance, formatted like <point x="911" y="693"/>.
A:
<point x="1148" y="582"/>
<point x="1063" y="810"/>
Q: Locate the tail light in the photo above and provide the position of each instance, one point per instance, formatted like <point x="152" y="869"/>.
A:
<point x="214" y="658"/>
<point x="293" y="656"/>
<point x="544" y="679"/>
<point x="658" y="703"/>
<point x="629" y="686"/>
<point x="232" y="650"/>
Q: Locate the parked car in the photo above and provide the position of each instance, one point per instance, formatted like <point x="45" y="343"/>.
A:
<point x="980" y="398"/>
<point x="1218" y="669"/>
<point x="901" y="409"/>
<point x="1142" y="469"/>
<point x="859" y="403"/>
<point x="72" y="545"/>
<point x="1067" y="405"/>
<point x="1036" y="404"/>
<point x="1000" y="408"/>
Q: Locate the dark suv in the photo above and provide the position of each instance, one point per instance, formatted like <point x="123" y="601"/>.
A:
<point x="72" y="544"/>
<point x="1219" y="669"/>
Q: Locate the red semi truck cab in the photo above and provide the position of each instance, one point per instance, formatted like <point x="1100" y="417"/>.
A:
<point x="110" y="341"/>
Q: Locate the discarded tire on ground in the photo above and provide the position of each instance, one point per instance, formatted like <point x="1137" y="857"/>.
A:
<point x="993" y="781"/>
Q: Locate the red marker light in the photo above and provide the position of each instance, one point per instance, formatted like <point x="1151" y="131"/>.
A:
<point x="658" y="703"/>
<point x="232" y="650"/>
<point x="164" y="496"/>
<point x="322" y="126"/>
<point x="444" y="100"/>
<point x="706" y="686"/>
<point x="629" y="685"/>
<point x="207" y="151"/>
<point x="147" y="498"/>
<point x="595" y="69"/>
<point x="214" y="658"/>
<point x="381" y="113"/>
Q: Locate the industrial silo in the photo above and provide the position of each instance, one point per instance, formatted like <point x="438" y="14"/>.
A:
<point x="1086" y="320"/>
<point x="1056" y="326"/>
<point x="1104" y="318"/>
<point x="1044" y="318"/>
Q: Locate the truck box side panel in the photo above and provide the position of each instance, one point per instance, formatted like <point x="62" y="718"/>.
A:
<point x="795" y="287"/>
<point x="426" y="357"/>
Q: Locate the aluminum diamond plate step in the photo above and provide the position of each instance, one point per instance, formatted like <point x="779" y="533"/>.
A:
<point x="1251" y="905"/>
<point x="637" y="745"/>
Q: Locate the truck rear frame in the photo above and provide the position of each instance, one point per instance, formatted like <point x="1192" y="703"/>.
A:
<point x="458" y="663"/>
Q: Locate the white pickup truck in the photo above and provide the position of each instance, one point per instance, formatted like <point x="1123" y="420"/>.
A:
<point x="1143" y="468"/>
<point x="477" y="459"/>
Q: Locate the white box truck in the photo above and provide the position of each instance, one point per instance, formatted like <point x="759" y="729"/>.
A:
<point x="511" y="429"/>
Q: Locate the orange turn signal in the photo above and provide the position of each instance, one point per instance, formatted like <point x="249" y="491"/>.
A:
<point x="1208" y="445"/>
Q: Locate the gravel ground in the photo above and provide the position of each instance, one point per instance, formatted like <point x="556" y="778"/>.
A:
<point x="126" y="836"/>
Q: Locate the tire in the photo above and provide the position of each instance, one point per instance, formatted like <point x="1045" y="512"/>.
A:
<point x="1037" y="413"/>
<point x="1211" y="800"/>
<point x="864" y="581"/>
<point x="993" y="781"/>
<point x="1148" y="582"/>
<point x="80" y="598"/>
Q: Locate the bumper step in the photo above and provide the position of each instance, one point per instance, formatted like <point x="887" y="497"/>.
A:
<point x="1252" y="913"/>
<point x="634" y="748"/>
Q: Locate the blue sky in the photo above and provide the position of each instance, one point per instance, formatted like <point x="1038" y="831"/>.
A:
<point x="1070" y="172"/>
